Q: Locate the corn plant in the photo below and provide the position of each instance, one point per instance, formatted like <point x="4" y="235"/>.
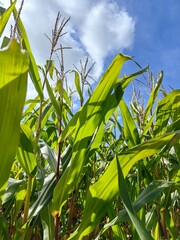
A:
<point x="110" y="170"/>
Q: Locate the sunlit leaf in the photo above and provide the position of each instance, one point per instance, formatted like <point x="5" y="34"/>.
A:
<point x="33" y="68"/>
<point x="78" y="86"/>
<point x="25" y="153"/>
<point x="152" y="97"/>
<point x="4" y="17"/>
<point x="165" y="111"/>
<point x="89" y="119"/>
<point x="130" y="130"/>
<point x="103" y="192"/>
<point x="123" y="192"/>
<point x="14" y="66"/>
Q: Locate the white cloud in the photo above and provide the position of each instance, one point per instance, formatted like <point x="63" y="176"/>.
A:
<point x="96" y="28"/>
<point x="106" y="29"/>
<point x="103" y="27"/>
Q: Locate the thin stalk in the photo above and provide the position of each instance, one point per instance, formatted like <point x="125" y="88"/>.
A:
<point x="27" y="200"/>
<point x="71" y="212"/>
<point x="56" y="223"/>
<point x="59" y="143"/>
<point x="59" y="152"/>
<point x="38" y="130"/>
<point x="159" y="218"/>
<point x="163" y="214"/>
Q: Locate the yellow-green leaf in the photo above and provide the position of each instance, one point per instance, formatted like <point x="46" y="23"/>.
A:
<point x="14" y="66"/>
<point x="5" y="17"/>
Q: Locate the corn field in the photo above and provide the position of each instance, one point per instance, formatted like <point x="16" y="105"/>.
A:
<point x="109" y="170"/>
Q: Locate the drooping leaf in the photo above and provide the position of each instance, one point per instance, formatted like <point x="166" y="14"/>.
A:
<point x="48" y="154"/>
<point x="13" y="185"/>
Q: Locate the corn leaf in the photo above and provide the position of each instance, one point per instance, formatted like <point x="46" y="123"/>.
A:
<point x="14" y="66"/>
<point x="108" y="108"/>
<point x="47" y="223"/>
<point x="25" y="153"/>
<point x="123" y="192"/>
<point x="5" y="17"/>
<point x="152" y="192"/>
<point x="78" y="85"/>
<point x="103" y="192"/>
<point x="12" y="188"/>
<point x="49" y="154"/>
<point x="152" y="97"/>
<point x="90" y="118"/>
<point x="130" y="130"/>
<point x="44" y="197"/>
<point x="164" y="112"/>
<point x="33" y="68"/>
<point x="55" y="103"/>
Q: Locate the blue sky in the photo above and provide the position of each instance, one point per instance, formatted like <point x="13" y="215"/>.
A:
<point x="157" y="36"/>
<point x="147" y="30"/>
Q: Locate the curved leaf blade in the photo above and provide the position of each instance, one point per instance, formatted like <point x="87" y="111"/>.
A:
<point x="88" y="121"/>
<point x="106" y="188"/>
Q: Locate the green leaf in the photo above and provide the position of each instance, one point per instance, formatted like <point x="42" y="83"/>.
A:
<point x="165" y="111"/>
<point x="25" y="153"/>
<point x="152" y="192"/>
<point x="14" y="66"/>
<point x="130" y="130"/>
<point x="123" y="192"/>
<point x="78" y="85"/>
<point x="5" y="17"/>
<point x="49" y="154"/>
<point x="89" y="119"/>
<point x="55" y="103"/>
<point x="33" y="68"/>
<point x="152" y="97"/>
<point x="5" y="42"/>
<point x="50" y="67"/>
<point x="48" y="223"/>
<point x="108" y="108"/>
<point x="4" y="233"/>
<point x="12" y="188"/>
<point x="105" y="189"/>
<point x="44" y="196"/>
